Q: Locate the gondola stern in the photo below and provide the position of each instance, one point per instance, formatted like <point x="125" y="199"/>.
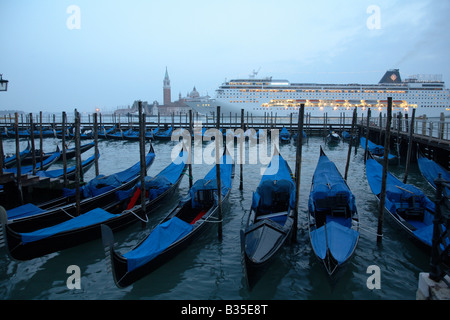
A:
<point x="244" y="259"/>
<point x="108" y="244"/>
<point x="3" y="221"/>
<point x="152" y="150"/>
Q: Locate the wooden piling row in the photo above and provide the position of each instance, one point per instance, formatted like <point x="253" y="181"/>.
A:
<point x="385" y="171"/>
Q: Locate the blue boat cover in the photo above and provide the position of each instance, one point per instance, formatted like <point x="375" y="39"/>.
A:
<point x="12" y="158"/>
<point x="284" y="134"/>
<point x="328" y="182"/>
<point x="372" y="147"/>
<point x="158" y="240"/>
<point x="102" y="184"/>
<point x="23" y="211"/>
<point x="340" y="240"/>
<point x="396" y="190"/>
<point x="89" y="218"/>
<point x="209" y="182"/>
<point x="161" y="182"/>
<point x="29" y="169"/>
<point x="277" y="178"/>
<point x="57" y="173"/>
<point x="431" y="170"/>
<point x="166" y="133"/>
<point x="132" y="134"/>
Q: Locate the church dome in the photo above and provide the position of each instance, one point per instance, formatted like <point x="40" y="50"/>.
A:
<point x="194" y="93"/>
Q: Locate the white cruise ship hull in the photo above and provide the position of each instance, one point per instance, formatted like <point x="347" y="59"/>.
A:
<point x="259" y="97"/>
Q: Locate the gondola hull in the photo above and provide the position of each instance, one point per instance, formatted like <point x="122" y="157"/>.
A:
<point x="177" y="230"/>
<point x="333" y="221"/>
<point x="271" y="219"/>
<point x="124" y="278"/>
<point x="406" y="204"/>
<point x="12" y="161"/>
<point x="57" y="210"/>
<point x="70" y="154"/>
<point x="257" y="262"/>
<point x="20" y="250"/>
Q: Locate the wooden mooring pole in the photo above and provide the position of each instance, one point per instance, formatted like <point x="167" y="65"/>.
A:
<point x="64" y="147"/>
<point x="385" y="171"/>
<point x="41" y="142"/>
<point x="367" y="135"/>
<point x="410" y="142"/>
<point x="19" y="171"/>
<point x="241" y="151"/>
<point x="97" y="171"/>
<point x="142" y="162"/>
<point x="33" y="148"/>
<point x="350" y="144"/>
<point x="219" y="185"/>
<point x="77" y="162"/>
<point x="298" y="168"/>
<point x="191" y="132"/>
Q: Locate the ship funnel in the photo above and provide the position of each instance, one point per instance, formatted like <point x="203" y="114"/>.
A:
<point x="391" y="76"/>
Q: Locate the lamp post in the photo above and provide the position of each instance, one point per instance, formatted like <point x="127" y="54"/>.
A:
<point x="3" y="84"/>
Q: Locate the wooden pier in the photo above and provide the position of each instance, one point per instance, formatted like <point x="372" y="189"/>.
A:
<point x="431" y="136"/>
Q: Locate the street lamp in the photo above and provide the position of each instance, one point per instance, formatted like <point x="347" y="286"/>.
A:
<point x="3" y="83"/>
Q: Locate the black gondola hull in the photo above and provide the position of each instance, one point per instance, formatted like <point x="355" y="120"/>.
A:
<point x="124" y="278"/>
<point x="257" y="262"/>
<point x="64" y="240"/>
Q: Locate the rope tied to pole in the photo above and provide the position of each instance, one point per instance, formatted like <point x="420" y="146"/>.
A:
<point x="135" y="214"/>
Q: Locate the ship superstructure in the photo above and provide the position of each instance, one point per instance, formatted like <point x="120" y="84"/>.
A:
<point x="425" y="93"/>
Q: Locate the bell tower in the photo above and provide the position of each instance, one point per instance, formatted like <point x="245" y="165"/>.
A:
<point x="166" y="89"/>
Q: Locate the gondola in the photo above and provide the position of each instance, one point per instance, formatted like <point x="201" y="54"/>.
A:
<point x="377" y="151"/>
<point x="431" y="170"/>
<point x="409" y="207"/>
<point x="70" y="154"/>
<point x="192" y="216"/>
<point x="70" y="172"/>
<point x="25" y="242"/>
<point x="11" y="161"/>
<point x="70" y="134"/>
<point x="333" y="137"/>
<point x="295" y="136"/>
<point x="117" y="135"/>
<point x="46" y="133"/>
<point x="333" y="217"/>
<point x="131" y="135"/>
<point x="346" y="136"/>
<point x="51" y="159"/>
<point x="271" y="219"/>
<point x="135" y="135"/>
<point x="285" y="136"/>
<point x="163" y="135"/>
<point x="97" y="193"/>
<point x="103" y="133"/>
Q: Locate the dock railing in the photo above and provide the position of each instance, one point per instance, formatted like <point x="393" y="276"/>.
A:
<point x="436" y="128"/>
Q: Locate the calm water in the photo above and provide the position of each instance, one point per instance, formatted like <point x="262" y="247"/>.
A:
<point x="211" y="269"/>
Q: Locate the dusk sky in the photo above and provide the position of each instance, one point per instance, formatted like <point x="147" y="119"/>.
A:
<point x="115" y="52"/>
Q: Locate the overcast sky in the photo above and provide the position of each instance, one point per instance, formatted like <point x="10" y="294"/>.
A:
<point x="115" y="52"/>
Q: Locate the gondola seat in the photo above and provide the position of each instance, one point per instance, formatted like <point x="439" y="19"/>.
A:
<point x="279" y="217"/>
<point x="274" y="196"/>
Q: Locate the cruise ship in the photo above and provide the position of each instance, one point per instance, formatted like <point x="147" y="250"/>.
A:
<point x="425" y="93"/>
